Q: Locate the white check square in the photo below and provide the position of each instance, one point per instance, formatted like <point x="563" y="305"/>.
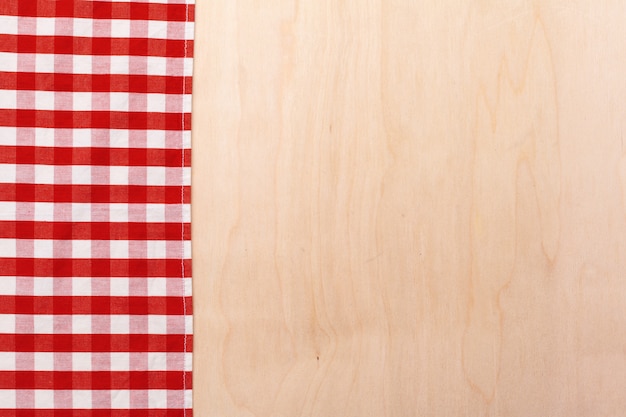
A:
<point x="81" y="138"/>
<point x="46" y="26"/>
<point x="118" y="101"/>
<point x="189" y="30"/>
<point x="120" y="399"/>
<point x="188" y="287"/>
<point x="7" y="361"/>
<point x="8" y="99"/>
<point x="8" y="210"/>
<point x="186" y="213"/>
<point x="44" y="136"/>
<point x="188" y="399"/>
<point x="81" y="174"/>
<point x="120" y="361"/>
<point x="156" y="139"/>
<point x="120" y="324"/>
<point x="8" y="286"/>
<point x="9" y="24"/>
<point x="82" y="101"/>
<point x="118" y="212"/>
<point x="44" y="212"/>
<point x="187" y="139"/>
<point x="156" y="103"/>
<point x="44" y="361"/>
<point x="8" y="61"/>
<point x="155" y="213"/>
<point x="187" y="103"/>
<point x="120" y="64"/>
<point x="187" y="249"/>
<point x="44" y="100"/>
<point x="155" y="175"/>
<point x="157" y="398"/>
<point x="44" y="174"/>
<point x="157" y="361"/>
<point x="43" y="323"/>
<point x="119" y="287"/>
<point x="82" y="27"/>
<point x="120" y="28"/>
<point x="81" y="361"/>
<point x="81" y="399"/>
<point x="157" y="324"/>
<point x="81" y="324"/>
<point x="43" y="287"/>
<point x="156" y="249"/>
<point x="81" y="249"/>
<point x="187" y="67"/>
<point x="81" y="212"/>
<point x="118" y="175"/>
<point x="7" y="323"/>
<point x="8" y="248"/>
<point x="8" y="135"/>
<point x="81" y="64"/>
<point x="157" y="287"/>
<point x="119" y="138"/>
<point x="44" y="248"/>
<point x="157" y="29"/>
<point x="44" y="398"/>
<point x="119" y="249"/>
<point x="81" y="287"/>
<point x="157" y="65"/>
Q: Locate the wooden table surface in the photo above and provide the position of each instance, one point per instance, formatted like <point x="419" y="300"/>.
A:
<point x="409" y="208"/>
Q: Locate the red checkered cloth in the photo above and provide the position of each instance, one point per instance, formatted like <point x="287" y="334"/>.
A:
<point x="95" y="268"/>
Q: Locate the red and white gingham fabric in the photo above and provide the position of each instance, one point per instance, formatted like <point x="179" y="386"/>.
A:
<point x="95" y="269"/>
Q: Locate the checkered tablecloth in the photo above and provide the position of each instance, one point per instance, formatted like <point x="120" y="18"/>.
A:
<point x="95" y="269"/>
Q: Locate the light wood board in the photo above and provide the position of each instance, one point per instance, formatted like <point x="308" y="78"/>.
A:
<point x="409" y="208"/>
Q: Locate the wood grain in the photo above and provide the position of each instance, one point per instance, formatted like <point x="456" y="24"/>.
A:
<point x="408" y="208"/>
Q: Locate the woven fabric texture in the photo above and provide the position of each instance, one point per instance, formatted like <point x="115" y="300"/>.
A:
<point x="95" y="250"/>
